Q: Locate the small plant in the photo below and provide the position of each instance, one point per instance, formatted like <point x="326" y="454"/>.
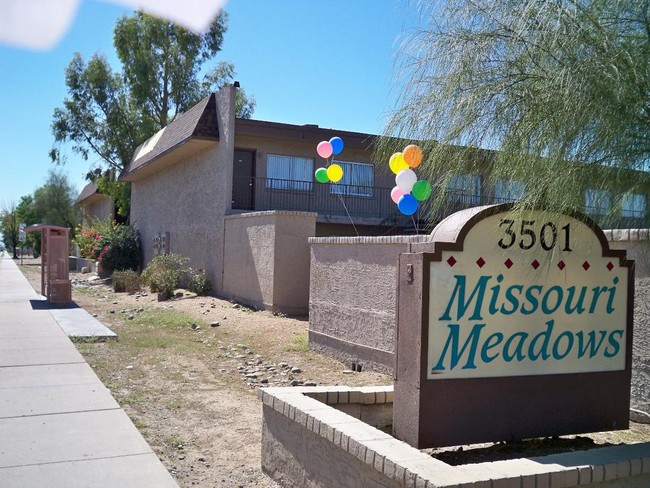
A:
<point x="164" y="273"/>
<point x="197" y="282"/>
<point x="126" y="281"/>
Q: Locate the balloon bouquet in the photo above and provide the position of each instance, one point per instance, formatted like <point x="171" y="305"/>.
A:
<point x="333" y="172"/>
<point x="408" y="190"/>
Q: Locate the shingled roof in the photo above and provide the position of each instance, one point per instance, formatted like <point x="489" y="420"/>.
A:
<point x="88" y="191"/>
<point x="199" y="123"/>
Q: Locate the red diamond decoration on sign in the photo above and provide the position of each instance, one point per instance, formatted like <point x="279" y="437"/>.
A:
<point x="480" y="262"/>
<point x="586" y="265"/>
<point x="451" y="261"/>
<point x="610" y="266"/>
<point x="535" y="264"/>
<point x="508" y="263"/>
<point x="561" y="265"/>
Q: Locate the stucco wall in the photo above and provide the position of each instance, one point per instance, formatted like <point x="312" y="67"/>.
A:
<point x="266" y="259"/>
<point x="637" y="244"/>
<point x="352" y="296"/>
<point x="190" y="198"/>
<point x="100" y="209"/>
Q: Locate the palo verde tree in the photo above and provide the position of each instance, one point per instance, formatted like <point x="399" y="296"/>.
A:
<point x="108" y="113"/>
<point x="561" y="90"/>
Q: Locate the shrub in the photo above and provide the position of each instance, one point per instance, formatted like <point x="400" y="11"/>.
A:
<point x="121" y="249"/>
<point x="164" y="273"/>
<point x="88" y="240"/>
<point x="198" y="282"/>
<point x="126" y="281"/>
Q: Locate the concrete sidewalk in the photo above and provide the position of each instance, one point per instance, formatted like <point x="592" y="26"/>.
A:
<point x="59" y="425"/>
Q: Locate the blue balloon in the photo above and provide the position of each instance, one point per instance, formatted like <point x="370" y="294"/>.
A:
<point x="407" y="204"/>
<point x="337" y="145"/>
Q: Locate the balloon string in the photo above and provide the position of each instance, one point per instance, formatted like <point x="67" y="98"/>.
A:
<point x="415" y="225"/>
<point x="348" y="213"/>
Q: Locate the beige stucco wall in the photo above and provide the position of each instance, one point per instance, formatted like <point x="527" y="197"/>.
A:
<point x="101" y="208"/>
<point x="637" y="244"/>
<point x="190" y="198"/>
<point x="266" y="259"/>
<point x="352" y="295"/>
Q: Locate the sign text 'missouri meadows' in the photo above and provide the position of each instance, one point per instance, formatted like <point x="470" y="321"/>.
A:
<point x="529" y="294"/>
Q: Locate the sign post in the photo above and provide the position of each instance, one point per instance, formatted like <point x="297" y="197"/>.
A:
<point x="22" y="238"/>
<point x="522" y="323"/>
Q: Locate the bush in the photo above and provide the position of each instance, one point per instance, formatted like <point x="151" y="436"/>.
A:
<point x="121" y="249"/>
<point x="88" y="241"/>
<point x="164" y="273"/>
<point x="198" y="282"/>
<point x="126" y="281"/>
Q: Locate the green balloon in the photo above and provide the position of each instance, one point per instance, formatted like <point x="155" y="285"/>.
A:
<point x="321" y="175"/>
<point x="421" y="190"/>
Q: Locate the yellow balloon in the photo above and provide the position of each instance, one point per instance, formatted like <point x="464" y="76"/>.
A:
<point x="413" y="155"/>
<point x="335" y="173"/>
<point x="397" y="163"/>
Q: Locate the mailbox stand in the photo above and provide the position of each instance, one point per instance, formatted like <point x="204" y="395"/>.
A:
<point x="55" y="278"/>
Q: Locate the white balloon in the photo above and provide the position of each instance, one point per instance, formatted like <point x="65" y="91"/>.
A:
<point x="405" y="180"/>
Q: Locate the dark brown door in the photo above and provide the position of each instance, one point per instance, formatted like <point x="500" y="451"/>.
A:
<point x="243" y="181"/>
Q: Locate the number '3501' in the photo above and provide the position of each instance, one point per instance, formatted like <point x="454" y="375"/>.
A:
<point x="526" y="233"/>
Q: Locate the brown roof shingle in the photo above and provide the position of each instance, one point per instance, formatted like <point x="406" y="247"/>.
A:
<point x="199" y="122"/>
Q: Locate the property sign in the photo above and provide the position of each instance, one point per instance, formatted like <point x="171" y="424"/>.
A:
<point x="529" y="294"/>
<point x="517" y="325"/>
<point x="22" y="237"/>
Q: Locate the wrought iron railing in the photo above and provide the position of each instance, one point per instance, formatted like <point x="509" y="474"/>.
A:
<point x="371" y="202"/>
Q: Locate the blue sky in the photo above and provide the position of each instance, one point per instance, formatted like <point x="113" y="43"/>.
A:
<point x="325" y="62"/>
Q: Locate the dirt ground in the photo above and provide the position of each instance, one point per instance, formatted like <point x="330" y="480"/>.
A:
<point x="186" y="371"/>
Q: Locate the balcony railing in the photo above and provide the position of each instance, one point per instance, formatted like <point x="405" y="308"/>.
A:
<point x="364" y="202"/>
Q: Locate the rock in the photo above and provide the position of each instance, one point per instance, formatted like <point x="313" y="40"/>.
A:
<point x="310" y="383"/>
<point x="296" y="370"/>
<point x="295" y="383"/>
<point x="347" y="371"/>
<point x="129" y="367"/>
<point x="85" y="270"/>
<point x="130" y="317"/>
<point x="215" y="324"/>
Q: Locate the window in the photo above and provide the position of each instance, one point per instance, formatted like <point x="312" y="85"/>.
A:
<point x="358" y="179"/>
<point x="289" y="173"/>
<point x="597" y="202"/>
<point x="466" y="188"/>
<point x="634" y="205"/>
<point x="508" y="190"/>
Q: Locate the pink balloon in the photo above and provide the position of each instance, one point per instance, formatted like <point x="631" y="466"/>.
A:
<point x="324" y="149"/>
<point x="395" y="194"/>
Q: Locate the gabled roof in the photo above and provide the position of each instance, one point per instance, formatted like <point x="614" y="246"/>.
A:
<point x="199" y="123"/>
<point x="89" y="190"/>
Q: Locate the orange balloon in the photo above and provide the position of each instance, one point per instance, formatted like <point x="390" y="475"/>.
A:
<point x="412" y="155"/>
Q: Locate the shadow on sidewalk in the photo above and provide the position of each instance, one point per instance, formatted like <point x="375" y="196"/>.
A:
<point x="45" y="305"/>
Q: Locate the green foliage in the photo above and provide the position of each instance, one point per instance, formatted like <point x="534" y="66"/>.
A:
<point x="128" y="281"/>
<point x="197" y="282"/>
<point x="89" y="242"/>
<point x="164" y="273"/>
<point x="108" y="113"/>
<point x="10" y="226"/>
<point x="54" y="202"/>
<point x="559" y="89"/>
<point x="121" y="249"/>
<point x="116" y="246"/>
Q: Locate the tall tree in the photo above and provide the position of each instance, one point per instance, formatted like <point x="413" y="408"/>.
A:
<point x="54" y="202"/>
<point x="10" y="226"/>
<point x="108" y="114"/>
<point x="560" y="88"/>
